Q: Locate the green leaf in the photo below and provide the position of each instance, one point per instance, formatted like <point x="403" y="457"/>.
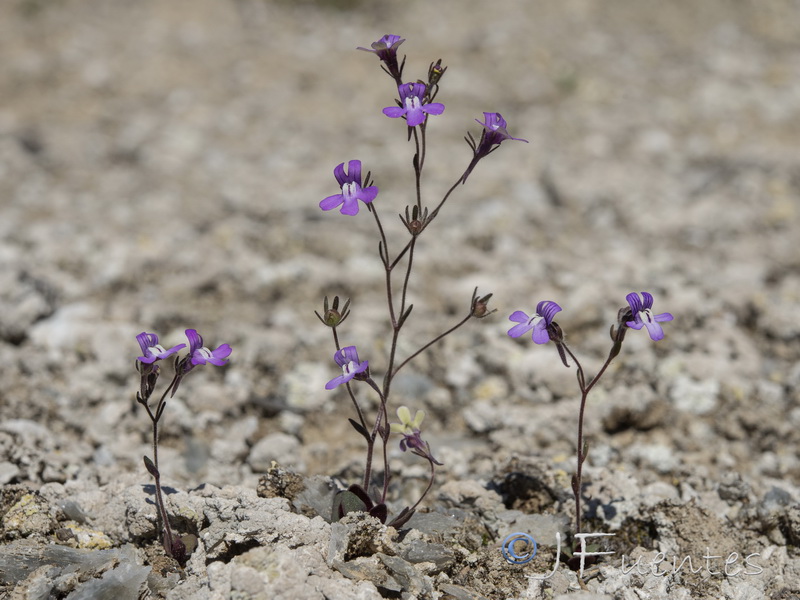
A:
<point x="151" y="468"/>
<point x="346" y="502"/>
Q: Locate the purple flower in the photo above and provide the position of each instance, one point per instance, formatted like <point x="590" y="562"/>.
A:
<point x="386" y="49"/>
<point x="643" y="316"/>
<point x="152" y="350"/>
<point x="201" y="355"/>
<point x="347" y="358"/>
<point x="352" y="191"/>
<point x="494" y="132"/>
<point x="411" y="98"/>
<point x="545" y="311"/>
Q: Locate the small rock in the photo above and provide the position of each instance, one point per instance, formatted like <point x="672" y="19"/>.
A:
<point x="419" y="551"/>
<point x="696" y="397"/>
<point x="357" y="534"/>
<point x="277" y="447"/>
<point x="29" y="516"/>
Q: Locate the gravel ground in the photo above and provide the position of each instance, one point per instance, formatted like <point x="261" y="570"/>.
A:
<point x="161" y="166"/>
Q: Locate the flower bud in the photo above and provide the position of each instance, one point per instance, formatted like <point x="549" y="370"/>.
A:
<point x="555" y="332"/>
<point x="435" y="73"/>
<point x="480" y="307"/>
<point x="415" y="221"/>
<point x="331" y="315"/>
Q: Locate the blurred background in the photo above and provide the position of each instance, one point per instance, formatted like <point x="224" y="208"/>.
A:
<point x="161" y="165"/>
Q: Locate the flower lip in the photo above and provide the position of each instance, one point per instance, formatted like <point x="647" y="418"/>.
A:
<point x="641" y="309"/>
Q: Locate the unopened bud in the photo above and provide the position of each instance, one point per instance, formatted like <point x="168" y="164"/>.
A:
<point x="415" y="220"/>
<point x="555" y="333"/>
<point x="331" y="315"/>
<point x="435" y="72"/>
<point x="480" y="307"/>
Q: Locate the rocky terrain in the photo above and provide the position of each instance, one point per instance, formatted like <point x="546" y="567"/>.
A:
<point x="161" y="168"/>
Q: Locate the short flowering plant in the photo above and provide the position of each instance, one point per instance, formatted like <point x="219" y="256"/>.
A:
<point x="416" y="102"/>
<point x="544" y="329"/>
<point x="149" y="371"/>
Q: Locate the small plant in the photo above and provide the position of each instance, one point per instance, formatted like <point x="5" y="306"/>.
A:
<point x="149" y="370"/>
<point x="415" y="104"/>
<point x="544" y="329"/>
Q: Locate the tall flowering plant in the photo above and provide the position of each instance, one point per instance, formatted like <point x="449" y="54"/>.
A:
<point x="543" y="329"/>
<point x="416" y="104"/>
<point x="150" y="370"/>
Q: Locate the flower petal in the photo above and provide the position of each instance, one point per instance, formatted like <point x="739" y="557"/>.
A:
<point x="655" y="330"/>
<point x="647" y="301"/>
<point x="336" y="381"/>
<point x="519" y="330"/>
<point x="519" y="317"/>
<point x="540" y="335"/>
<point x="354" y="171"/>
<point x="349" y="206"/>
<point x="394" y="111"/>
<point x="219" y="355"/>
<point x="434" y="108"/>
<point x="195" y="340"/>
<point x="634" y="302"/>
<point x="547" y="309"/>
<point x="368" y="194"/>
<point x="404" y="415"/>
<point x="331" y="202"/>
<point x="338" y="172"/>
<point x="415" y="117"/>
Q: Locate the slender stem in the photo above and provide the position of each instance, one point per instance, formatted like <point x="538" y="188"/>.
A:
<point x="168" y="539"/>
<point x="427" y="489"/>
<point x="385" y="439"/>
<point x="384" y="255"/>
<point x="419" y="159"/>
<point x="402" y="253"/>
<point x="387" y="267"/>
<point x="444" y="199"/>
<point x="406" y="279"/>
<point x="162" y="510"/>
<point x="374" y="435"/>
<point x="576" y="489"/>
<point x="431" y="343"/>
<point x="581" y="454"/>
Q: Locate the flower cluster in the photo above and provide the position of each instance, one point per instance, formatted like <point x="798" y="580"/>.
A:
<point x="416" y="101"/>
<point x="636" y="315"/>
<point x="149" y="370"/>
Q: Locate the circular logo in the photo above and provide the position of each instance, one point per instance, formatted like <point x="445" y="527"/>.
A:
<point x="518" y="548"/>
